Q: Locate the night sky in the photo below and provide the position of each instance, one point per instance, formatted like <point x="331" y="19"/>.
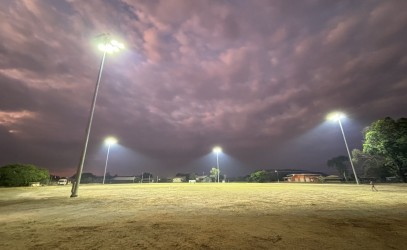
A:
<point x="255" y="77"/>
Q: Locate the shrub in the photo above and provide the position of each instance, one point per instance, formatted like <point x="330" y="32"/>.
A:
<point x="16" y="175"/>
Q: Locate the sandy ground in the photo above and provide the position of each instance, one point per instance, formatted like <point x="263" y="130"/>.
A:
<point x="204" y="216"/>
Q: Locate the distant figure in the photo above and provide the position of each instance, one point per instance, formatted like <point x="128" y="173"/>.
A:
<point x="373" y="187"/>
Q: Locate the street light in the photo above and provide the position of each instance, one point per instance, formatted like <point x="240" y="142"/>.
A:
<point x="337" y="116"/>
<point x="107" y="46"/>
<point x="109" y="141"/>
<point x="278" y="180"/>
<point x="217" y="150"/>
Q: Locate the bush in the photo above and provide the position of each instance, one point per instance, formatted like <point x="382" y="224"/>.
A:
<point x="16" y="175"/>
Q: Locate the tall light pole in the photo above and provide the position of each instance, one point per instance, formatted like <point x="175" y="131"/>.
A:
<point x="278" y="180"/>
<point x="217" y="150"/>
<point x="109" y="141"/>
<point x="337" y="116"/>
<point x="107" y="46"/>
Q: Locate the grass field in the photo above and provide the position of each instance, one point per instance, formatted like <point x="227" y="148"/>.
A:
<point x="205" y="216"/>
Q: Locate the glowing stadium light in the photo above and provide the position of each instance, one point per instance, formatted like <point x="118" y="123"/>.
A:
<point x="110" y="141"/>
<point x="217" y="150"/>
<point x="111" y="46"/>
<point x="337" y="116"/>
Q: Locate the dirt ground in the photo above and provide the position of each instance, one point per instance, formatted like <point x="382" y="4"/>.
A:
<point x="205" y="216"/>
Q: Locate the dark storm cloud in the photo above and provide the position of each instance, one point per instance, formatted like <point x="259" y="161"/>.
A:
<point x="252" y="76"/>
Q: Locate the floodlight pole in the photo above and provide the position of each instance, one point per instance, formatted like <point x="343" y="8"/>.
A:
<point x="74" y="192"/>
<point x="107" y="158"/>
<point x="217" y="163"/>
<point x="347" y="148"/>
<point x="278" y="179"/>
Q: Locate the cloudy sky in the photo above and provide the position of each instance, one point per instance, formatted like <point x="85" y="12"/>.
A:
<point x="255" y="77"/>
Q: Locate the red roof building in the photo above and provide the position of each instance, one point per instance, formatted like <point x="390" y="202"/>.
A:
<point x="303" y="178"/>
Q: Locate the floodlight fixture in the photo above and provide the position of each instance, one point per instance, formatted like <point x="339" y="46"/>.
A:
<point x="217" y="150"/>
<point x="336" y="116"/>
<point x="110" y="141"/>
<point x="109" y="46"/>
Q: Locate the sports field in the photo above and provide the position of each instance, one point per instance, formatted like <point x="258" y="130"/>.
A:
<point x="205" y="216"/>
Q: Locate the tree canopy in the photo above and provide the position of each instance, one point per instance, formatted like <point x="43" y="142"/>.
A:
<point x="214" y="173"/>
<point x="15" y="175"/>
<point x="260" y="176"/>
<point x="387" y="138"/>
<point x="370" y="165"/>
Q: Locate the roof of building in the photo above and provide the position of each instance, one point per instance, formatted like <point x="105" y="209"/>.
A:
<point x="304" y="174"/>
<point x="123" y="178"/>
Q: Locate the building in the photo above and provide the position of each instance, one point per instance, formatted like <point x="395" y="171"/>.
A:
<point x="123" y="179"/>
<point x="203" y="178"/>
<point x="305" y="177"/>
<point x="179" y="179"/>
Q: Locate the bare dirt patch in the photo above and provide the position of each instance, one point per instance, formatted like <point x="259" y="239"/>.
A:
<point x="204" y="216"/>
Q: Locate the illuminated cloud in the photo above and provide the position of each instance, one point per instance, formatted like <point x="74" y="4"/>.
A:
<point x="14" y="118"/>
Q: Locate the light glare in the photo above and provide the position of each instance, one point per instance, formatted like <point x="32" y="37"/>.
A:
<point x="101" y="47"/>
<point x="217" y="150"/>
<point x="111" y="46"/>
<point x="110" y="140"/>
<point x="336" y="116"/>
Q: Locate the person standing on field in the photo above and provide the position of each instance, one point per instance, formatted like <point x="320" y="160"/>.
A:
<point x="373" y="187"/>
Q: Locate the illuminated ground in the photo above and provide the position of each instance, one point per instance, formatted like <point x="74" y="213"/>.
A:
<point x="205" y="216"/>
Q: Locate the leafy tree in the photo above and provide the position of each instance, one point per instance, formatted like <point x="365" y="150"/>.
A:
<point x="339" y="163"/>
<point x="183" y="175"/>
<point x="214" y="173"/>
<point x="259" y="176"/>
<point x="387" y="138"/>
<point x="15" y="175"/>
<point x="371" y="165"/>
<point x="191" y="176"/>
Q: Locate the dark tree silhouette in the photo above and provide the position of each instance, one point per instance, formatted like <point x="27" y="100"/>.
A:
<point x="339" y="163"/>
